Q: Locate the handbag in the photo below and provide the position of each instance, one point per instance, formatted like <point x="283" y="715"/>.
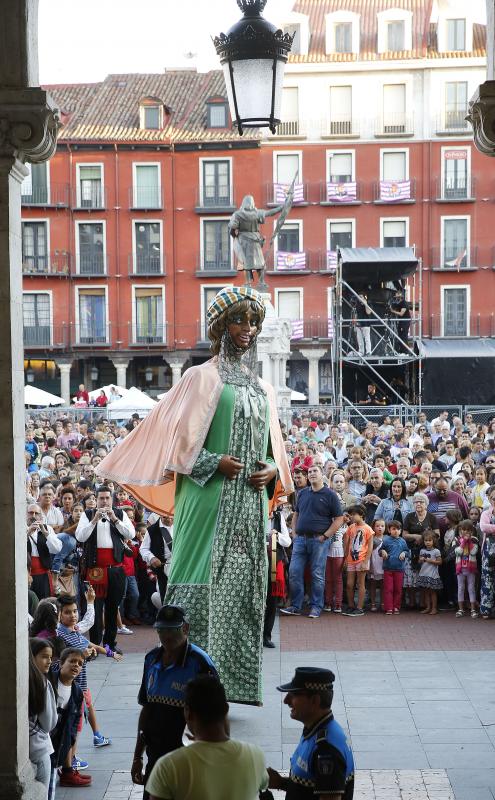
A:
<point x="67" y="584"/>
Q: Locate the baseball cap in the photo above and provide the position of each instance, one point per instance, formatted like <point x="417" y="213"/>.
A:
<point x="170" y="617"/>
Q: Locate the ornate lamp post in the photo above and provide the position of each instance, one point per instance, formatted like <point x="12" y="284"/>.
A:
<point x="253" y="54"/>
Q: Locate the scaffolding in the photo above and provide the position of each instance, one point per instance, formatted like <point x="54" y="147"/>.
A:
<point x="370" y="344"/>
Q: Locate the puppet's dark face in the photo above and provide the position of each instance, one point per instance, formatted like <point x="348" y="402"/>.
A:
<point x="243" y="327"/>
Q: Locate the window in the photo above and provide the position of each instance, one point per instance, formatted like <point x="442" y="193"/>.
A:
<point x="146" y="189"/>
<point x="216" y="245"/>
<point x="296" y="44"/>
<point x="456" y="98"/>
<point x="288" y="240"/>
<point x="148" y="308"/>
<point x="343" y="37"/>
<point x="34" y="247"/>
<point x="91" y="248"/>
<point x="340" y="110"/>
<point x="340" y="235"/>
<point x="456" y="34"/>
<point x="90" y="186"/>
<point x="286" y="166"/>
<point x="34" y="188"/>
<point x="36" y="319"/>
<point x="289" y="303"/>
<point x="455" y="242"/>
<point x="455" y="311"/>
<point x="394" y="165"/>
<point x="340" y="167"/>
<point x="394" y="108"/>
<point x="147" y="257"/>
<point x="151" y="115"/>
<point x="217" y="115"/>
<point x="455" y="175"/>
<point x="92" y="316"/>
<point x="396" y="34"/>
<point x="394" y="233"/>
<point x="216" y="183"/>
<point x="289" y="114"/>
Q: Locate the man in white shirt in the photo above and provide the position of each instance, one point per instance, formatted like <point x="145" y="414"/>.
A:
<point x="156" y="550"/>
<point x="42" y="543"/>
<point x="51" y="514"/>
<point x="104" y="531"/>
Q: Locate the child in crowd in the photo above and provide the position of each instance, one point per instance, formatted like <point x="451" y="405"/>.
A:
<point x="42" y="710"/>
<point x="466" y="550"/>
<point x="480" y="489"/>
<point x="334" y="587"/>
<point x="358" y="546"/>
<point x="430" y="559"/>
<point x="447" y="570"/>
<point x="376" y="564"/>
<point x="394" y="552"/>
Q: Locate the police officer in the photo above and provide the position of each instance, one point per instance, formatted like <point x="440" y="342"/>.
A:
<point x="167" y="669"/>
<point x="322" y="767"/>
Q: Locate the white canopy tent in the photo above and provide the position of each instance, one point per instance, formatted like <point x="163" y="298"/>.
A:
<point x="119" y="389"/>
<point x="38" y="397"/>
<point x="297" y="395"/>
<point x="135" y="401"/>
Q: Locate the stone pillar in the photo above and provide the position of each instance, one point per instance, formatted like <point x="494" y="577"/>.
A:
<point x="121" y="365"/>
<point x="28" y="127"/>
<point x="65" y="368"/>
<point x="313" y="357"/>
<point x="176" y="365"/>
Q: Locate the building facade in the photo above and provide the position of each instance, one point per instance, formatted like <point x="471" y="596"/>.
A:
<point x="125" y="234"/>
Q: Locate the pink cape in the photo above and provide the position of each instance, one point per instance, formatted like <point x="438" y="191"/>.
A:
<point x="169" y="440"/>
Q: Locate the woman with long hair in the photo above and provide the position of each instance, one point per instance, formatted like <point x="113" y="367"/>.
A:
<point x="42" y="708"/>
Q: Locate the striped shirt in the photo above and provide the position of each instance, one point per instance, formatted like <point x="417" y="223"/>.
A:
<point x="74" y="638"/>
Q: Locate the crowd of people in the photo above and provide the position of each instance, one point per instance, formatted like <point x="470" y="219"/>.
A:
<point x="392" y="516"/>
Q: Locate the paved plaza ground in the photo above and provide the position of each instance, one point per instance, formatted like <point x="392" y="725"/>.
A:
<point x="416" y="694"/>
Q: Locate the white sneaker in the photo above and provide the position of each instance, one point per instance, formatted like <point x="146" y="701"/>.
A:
<point x="124" y="630"/>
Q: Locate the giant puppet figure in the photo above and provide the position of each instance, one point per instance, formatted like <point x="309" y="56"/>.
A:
<point x="213" y="445"/>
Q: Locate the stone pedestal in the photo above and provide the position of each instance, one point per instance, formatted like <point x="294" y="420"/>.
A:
<point x="273" y="352"/>
<point x="65" y="368"/>
<point x="313" y="357"/>
<point x="121" y="365"/>
<point x="176" y="365"/>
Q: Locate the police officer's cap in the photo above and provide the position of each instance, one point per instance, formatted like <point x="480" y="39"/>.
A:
<point x="309" y="679"/>
<point x="170" y="617"/>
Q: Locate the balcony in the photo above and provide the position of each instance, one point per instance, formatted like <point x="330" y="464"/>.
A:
<point x="393" y="192"/>
<point x="45" y="337"/>
<point x="452" y="122"/>
<point x="145" y="264"/>
<point x="51" y="265"/>
<point x="312" y="328"/>
<point x="286" y="263"/>
<point x="393" y="125"/>
<point x="344" y="192"/>
<point x="290" y="129"/>
<point x="218" y="199"/>
<point x="476" y="325"/>
<point x="276" y="193"/>
<point x="95" y="200"/>
<point x="215" y="266"/>
<point x="145" y="198"/>
<point x="146" y="336"/>
<point x="56" y="195"/>
<point x="454" y="257"/>
<point x="90" y="265"/>
<point x="461" y="190"/>
<point x="343" y="128"/>
<point x="91" y="334"/>
<point x="327" y="261"/>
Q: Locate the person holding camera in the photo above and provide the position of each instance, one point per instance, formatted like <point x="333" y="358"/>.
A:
<point x="156" y="550"/>
<point x="401" y="310"/>
<point x="103" y="531"/>
<point x="42" y="543"/>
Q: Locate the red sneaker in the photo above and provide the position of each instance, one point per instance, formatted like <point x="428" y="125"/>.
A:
<point x="74" y="778"/>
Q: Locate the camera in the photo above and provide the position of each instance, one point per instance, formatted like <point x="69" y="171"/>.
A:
<point x="103" y="519"/>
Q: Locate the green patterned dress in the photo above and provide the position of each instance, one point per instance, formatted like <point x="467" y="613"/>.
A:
<point x="219" y="571"/>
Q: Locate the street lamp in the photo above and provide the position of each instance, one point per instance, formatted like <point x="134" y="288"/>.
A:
<point x="253" y="54"/>
<point x="148" y="375"/>
<point x="30" y="374"/>
<point x="94" y="373"/>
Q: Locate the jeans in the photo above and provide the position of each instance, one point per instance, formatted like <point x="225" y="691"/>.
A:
<point x="392" y="589"/>
<point x="130" y="599"/>
<point x="68" y="547"/>
<point x="308" y="550"/>
<point x="333" y="582"/>
<point x="43" y="770"/>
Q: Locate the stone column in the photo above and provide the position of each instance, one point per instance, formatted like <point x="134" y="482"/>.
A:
<point x="65" y="368"/>
<point x="313" y="357"/>
<point x="176" y="365"/>
<point x="121" y="367"/>
<point x="28" y="127"/>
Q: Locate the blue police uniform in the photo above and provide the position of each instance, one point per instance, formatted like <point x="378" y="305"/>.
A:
<point x="322" y="763"/>
<point x="162" y="693"/>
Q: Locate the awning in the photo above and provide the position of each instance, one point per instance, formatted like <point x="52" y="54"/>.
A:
<point x="457" y="348"/>
<point x="377" y="264"/>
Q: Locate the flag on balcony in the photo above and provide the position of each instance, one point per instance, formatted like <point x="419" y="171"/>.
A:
<point x="331" y="260"/>
<point x="297" y="329"/>
<point x="393" y="191"/>
<point x="457" y="261"/>
<point x="280" y="191"/>
<point x="291" y="260"/>
<point x="331" y="329"/>
<point x="341" y="192"/>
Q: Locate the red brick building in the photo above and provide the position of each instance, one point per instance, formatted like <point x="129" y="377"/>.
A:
<point x="125" y="230"/>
